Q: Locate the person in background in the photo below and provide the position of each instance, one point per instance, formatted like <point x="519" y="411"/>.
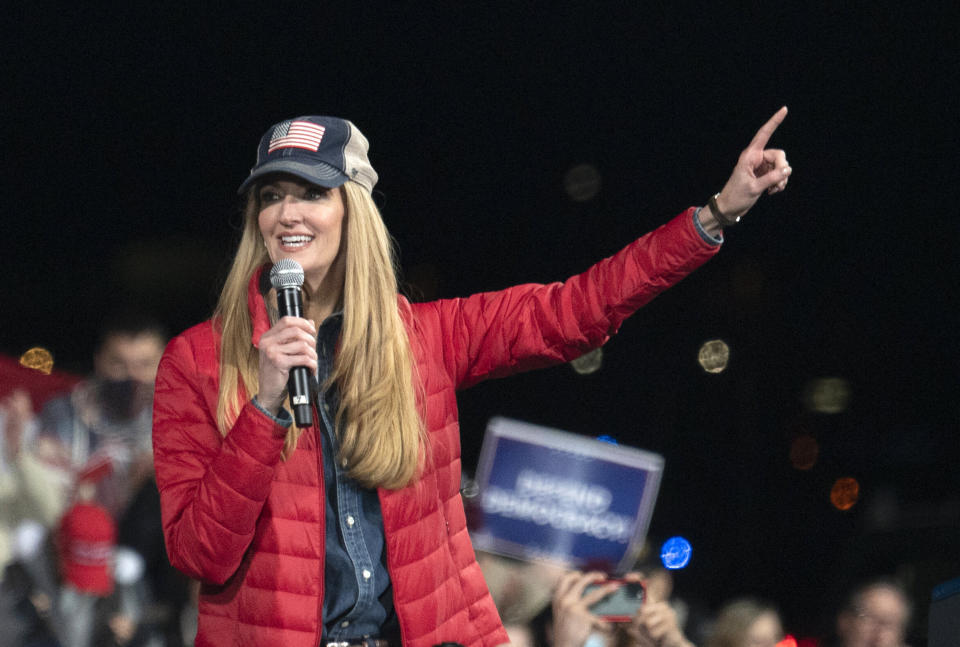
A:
<point x="655" y="623"/>
<point x="168" y="589"/>
<point x="876" y="614"/>
<point x="660" y="621"/>
<point x="746" y="622"/>
<point x="86" y="544"/>
<point x="107" y="418"/>
<point x="102" y="594"/>
<point x="33" y="476"/>
<point x="29" y="590"/>
<point x="351" y="530"/>
<point x="520" y="589"/>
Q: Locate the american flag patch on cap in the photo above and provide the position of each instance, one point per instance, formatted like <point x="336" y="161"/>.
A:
<point x="296" y="134"/>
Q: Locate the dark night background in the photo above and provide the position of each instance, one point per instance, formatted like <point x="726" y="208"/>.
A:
<point x="126" y="132"/>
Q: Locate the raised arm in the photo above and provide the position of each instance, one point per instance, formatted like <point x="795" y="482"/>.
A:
<point x="530" y="326"/>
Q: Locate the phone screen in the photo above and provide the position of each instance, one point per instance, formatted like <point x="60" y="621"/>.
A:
<point x="621" y="605"/>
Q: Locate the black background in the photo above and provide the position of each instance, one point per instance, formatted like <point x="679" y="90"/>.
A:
<point x="126" y="131"/>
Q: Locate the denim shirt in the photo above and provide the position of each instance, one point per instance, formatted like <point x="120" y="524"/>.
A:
<point x="358" y="599"/>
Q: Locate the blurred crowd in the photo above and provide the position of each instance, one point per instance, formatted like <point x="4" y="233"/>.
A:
<point x="83" y="561"/>
<point x="81" y="548"/>
<point x="546" y="606"/>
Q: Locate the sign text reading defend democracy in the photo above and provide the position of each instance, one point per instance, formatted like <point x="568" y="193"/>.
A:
<point x="563" y="504"/>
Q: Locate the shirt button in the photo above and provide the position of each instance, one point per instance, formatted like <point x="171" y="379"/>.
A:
<point x="350" y="520"/>
<point x="343" y="463"/>
<point x="345" y="624"/>
<point x="366" y="574"/>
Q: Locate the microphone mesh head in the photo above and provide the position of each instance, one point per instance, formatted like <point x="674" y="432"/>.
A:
<point x="286" y="273"/>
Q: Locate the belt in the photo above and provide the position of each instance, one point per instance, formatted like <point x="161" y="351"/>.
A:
<point x="357" y="642"/>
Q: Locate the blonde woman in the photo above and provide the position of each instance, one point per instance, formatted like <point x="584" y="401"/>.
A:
<point x="352" y="531"/>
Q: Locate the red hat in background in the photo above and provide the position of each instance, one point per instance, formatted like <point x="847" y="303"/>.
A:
<point x="86" y="541"/>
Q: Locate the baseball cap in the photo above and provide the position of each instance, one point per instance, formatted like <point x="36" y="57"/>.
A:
<point x="327" y="151"/>
<point x="86" y="543"/>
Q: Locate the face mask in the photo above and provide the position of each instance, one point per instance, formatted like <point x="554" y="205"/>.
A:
<point x="118" y="399"/>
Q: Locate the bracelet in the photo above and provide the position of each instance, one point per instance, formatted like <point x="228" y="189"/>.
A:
<point x="723" y="219"/>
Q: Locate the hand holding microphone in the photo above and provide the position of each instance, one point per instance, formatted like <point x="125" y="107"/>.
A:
<point x="288" y="351"/>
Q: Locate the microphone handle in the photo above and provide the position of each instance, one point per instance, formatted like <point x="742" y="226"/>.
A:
<point x="299" y="388"/>
<point x="289" y="304"/>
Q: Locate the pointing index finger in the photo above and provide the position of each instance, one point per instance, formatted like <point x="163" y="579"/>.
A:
<point x="766" y="130"/>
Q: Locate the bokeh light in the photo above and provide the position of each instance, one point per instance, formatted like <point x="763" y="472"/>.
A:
<point x="827" y="395"/>
<point x="675" y="553"/>
<point x="582" y="182"/>
<point x="804" y="451"/>
<point x="39" y="359"/>
<point x="588" y="363"/>
<point x="845" y="493"/>
<point x="714" y="356"/>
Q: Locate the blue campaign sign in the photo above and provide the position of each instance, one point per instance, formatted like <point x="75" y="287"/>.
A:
<point x="553" y="495"/>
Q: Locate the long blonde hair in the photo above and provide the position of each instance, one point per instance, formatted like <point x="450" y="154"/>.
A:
<point x="379" y="426"/>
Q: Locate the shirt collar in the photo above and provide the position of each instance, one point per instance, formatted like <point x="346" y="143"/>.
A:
<point x="258" y="286"/>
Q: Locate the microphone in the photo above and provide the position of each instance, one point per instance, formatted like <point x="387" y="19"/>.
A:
<point x="286" y="278"/>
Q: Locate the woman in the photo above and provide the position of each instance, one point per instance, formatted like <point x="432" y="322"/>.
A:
<point x="353" y="530"/>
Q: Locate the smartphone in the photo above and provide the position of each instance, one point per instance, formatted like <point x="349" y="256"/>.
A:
<point x="621" y="605"/>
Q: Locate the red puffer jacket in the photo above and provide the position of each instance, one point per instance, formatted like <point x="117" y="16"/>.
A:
<point x="251" y="527"/>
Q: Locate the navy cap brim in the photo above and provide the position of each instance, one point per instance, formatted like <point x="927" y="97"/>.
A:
<point x="319" y="173"/>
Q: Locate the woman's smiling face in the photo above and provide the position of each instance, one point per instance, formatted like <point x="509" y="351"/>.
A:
<point x="302" y="222"/>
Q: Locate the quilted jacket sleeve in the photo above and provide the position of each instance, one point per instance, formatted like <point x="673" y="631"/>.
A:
<point x="212" y="488"/>
<point x="528" y="326"/>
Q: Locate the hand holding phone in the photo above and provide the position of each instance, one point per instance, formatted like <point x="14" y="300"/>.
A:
<point x="573" y="622"/>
